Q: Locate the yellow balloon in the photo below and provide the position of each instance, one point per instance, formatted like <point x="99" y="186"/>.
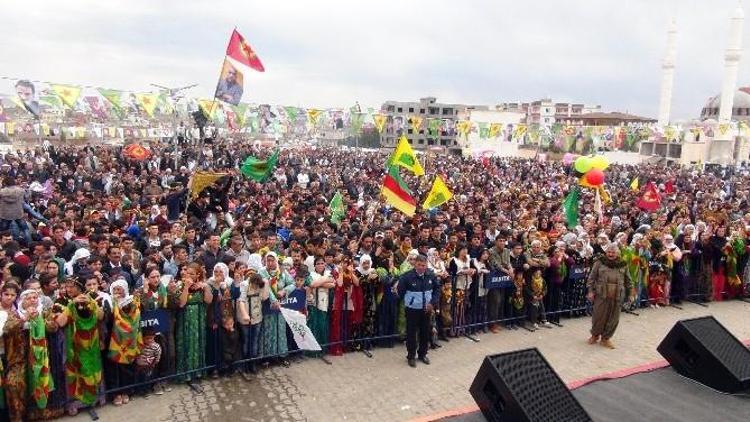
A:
<point x="599" y="162"/>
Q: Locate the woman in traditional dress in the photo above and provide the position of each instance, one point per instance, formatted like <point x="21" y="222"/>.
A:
<point x="279" y="284"/>
<point x="125" y="341"/>
<point x="342" y="308"/>
<point x="460" y="269"/>
<point x="8" y="295"/>
<point x="219" y="284"/>
<point x="369" y="282"/>
<point x="190" y="330"/>
<point x="607" y="284"/>
<point x="83" y="364"/>
<point x="719" y="260"/>
<point x="318" y="300"/>
<point x="27" y="358"/>
<point x="637" y="256"/>
<point x="387" y="300"/>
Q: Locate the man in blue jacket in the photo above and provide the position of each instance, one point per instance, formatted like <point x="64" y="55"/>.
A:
<point x="421" y="294"/>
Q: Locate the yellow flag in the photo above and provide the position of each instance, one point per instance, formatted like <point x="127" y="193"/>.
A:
<point x="495" y="129"/>
<point x="68" y="94"/>
<point x="201" y="180"/>
<point x="463" y="127"/>
<point x="208" y="107"/>
<point x="80" y="132"/>
<point x="312" y="115"/>
<point x="416" y="123"/>
<point x="723" y="128"/>
<point x="519" y="131"/>
<point x="148" y="102"/>
<point x="10" y="128"/>
<point x="45" y="129"/>
<point x="404" y="156"/>
<point x="604" y="194"/>
<point x="439" y="194"/>
<point x="634" y="185"/>
<point x="379" y="120"/>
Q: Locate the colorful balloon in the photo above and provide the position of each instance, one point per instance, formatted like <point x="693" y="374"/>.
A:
<point x="582" y="164"/>
<point x="595" y="177"/>
<point x="599" y="162"/>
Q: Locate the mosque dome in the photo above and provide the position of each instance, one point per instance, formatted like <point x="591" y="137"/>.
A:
<point x="740" y="107"/>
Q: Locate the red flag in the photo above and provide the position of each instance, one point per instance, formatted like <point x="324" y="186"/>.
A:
<point x="238" y="49"/>
<point x="669" y="187"/>
<point x="651" y="200"/>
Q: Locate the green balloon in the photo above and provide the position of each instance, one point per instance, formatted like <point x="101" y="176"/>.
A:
<point x="582" y="164"/>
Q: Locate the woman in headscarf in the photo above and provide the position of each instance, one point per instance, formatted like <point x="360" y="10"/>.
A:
<point x="343" y="307"/>
<point x="160" y="292"/>
<point x="607" y="284"/>
<point x="27" y="357"/>
<point x="79" y="314"/>
<point x="369" y="282"/>
<point x="190" y="333"/>
<point x="481" y="265"/>
<point x="462" y="272"/>
<point x="125" y="341"/>
<point x="437" y="265"/>
<point x="219" y="284"/>
<point x="279" y="284"/>
<point x="318" y="301"/>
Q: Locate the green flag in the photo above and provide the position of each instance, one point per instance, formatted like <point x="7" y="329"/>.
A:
<point x="291" y="114"/>
<point x="570" y="206"/>
<point x="337" y="208"/>
<point x="259" y="170"/>
<point x="357" y="119"/>
<point x="113" y="96"/>
<point x="240" y="111"/>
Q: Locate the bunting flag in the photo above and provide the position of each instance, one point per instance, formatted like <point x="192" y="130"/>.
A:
<point x="291" y="114"/>
<point x="336" y="207"/>
<point x="240" y="117"/>
<point x="312" y="115"/>
<point x="52" y="101"/>
<point x="651" y="200"/>
<point x="165" y="103"/>
<point x="463" y="127"/>
<point x="396" y="192"/>
<point x="209" y="108"/>
<point x="114" y="98"/>
<point x="148" y="102"/>
<point x="634" y="184"/>
<point x="404" y="156"/>
<point x="356" y="120"/>
<point x="519" y="132"/>
<point x="259" y="170"/>
<point x="484" y="131"/>
<point x="723" y="129"/>
<point x="570" y="207"/>
<point x="433" y="126"/>
<point x="379" y="120"/>
<point x="416" y="123"/>
<point x="239" y="50"/>
<point x="96" y="107"/>
<point x="68" y="94"/>
<point x="495" y="129"/>
<point x="201" y="180"/>
<point x="439" y="194"/>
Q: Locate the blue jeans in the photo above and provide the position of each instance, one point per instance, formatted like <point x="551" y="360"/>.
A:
<point x="250" y="340"/>
<point x="19" y="229"/>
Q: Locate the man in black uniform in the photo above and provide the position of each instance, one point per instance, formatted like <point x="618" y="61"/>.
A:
<point x="421" y="293"/>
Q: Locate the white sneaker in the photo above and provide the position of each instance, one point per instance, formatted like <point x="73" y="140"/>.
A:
<point x="536" y="326"/>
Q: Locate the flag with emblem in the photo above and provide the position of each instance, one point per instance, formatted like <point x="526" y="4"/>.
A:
<point x="148" y="102"/>
<point x="68" y="94"/>
<point x="439" y="194"/>
<point x="114" y="98"/>
<point x="634" y="185"/>
<point x="136" y="152"/>
<point x="201" y="180"/>
<point x="404" y="156"/>
<point x="379" y="120"/>
<point x="312" y="115"/>
<point x="240" y="51"/>
<point x="301" y="332"/>
<point x="650" y="200"/>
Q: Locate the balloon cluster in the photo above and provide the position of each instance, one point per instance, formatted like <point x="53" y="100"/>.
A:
<point x="591" y="168"/>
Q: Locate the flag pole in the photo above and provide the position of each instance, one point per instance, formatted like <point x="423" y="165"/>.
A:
<point x="213" y="103"/>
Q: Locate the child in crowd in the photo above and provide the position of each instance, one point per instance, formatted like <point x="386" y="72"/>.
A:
<point x="147" y="360"/>
<point x="230" y="338"/>
<point x="517" y="301"/>
<point x="535" y="291"/>
<point x="250" y="316"/>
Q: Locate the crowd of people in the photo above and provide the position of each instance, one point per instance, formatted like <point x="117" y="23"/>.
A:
<point x="118" y="279"/>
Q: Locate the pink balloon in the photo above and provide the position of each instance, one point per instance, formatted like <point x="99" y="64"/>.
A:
<point x="595" y="177"/>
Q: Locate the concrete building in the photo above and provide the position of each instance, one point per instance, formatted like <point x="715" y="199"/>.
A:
<point x="399" y="114"/>
<point x="548" y="112"/>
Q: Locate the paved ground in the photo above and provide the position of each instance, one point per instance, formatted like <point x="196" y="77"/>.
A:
<point x="357" y="388"/>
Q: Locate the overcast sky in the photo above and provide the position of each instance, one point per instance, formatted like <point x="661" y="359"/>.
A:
<point x="329" y="53"/>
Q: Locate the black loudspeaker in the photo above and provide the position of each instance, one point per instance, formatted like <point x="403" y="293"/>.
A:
<point x="702" y="349"/>
<point x="522" y="386"/>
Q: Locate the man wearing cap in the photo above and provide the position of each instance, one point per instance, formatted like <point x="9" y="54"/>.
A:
<point x="420" y="292"/>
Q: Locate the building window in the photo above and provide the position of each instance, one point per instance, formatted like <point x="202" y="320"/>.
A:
<point x="447" y="111"/>
<point x="420" y="141"/>
<point x="411" y="109"/>
<point x="409" y="131"/>
<point x="411" y="141"/>
<point x="421" y="111"/>
<point x="430" y="142"/>
<point x="433" y="110"/>
<point x="400" y="109"/>
<point x="389" y="108"/>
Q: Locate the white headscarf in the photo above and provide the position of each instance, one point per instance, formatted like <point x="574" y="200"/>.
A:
<point x="255" y="262"/>
<point x="362" y="259"/>
<point x="224" y="270"/>
<point x="39" y="305"/>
